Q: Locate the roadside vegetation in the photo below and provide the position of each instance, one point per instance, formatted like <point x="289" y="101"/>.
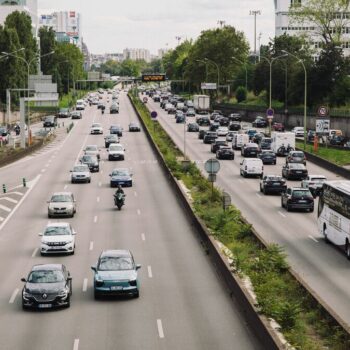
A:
<point x="304" y="323"/>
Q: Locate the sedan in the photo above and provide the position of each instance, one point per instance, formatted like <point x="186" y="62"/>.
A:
<point x="116" y="152"/>
<point x="235" y="126"/>
<point x="225" y="153"/>
<point x="203" y="121"/>
<point x="111" y="139"/>
<point x="294" y="171"/>
<point x="277" y="127"/>
<point x="47" y="286"/>
<point x="192" y="127"/>
<point x="96" y="128"/>
<point x="122" y="177"/>
<point x="297" y="198"/>
<point x="91" y="161"/>
<point x="76" y="115"/>
<point x="296" y="157"/>
<point x="114" y="109"/>
<point x="80" y="173"/>
<point x="61" y="204"/>
<point x="272" y="184"/>
<point x="215" y="146"/>
<point x="133" y="127"/>
<point x="116" y="274"/>
<point x="92" y="150"/>
<point x="267" y="157"/>
<point x="222" y="131"/>
<point x="260" y="122"/>
<point x="201" y="134"/>
<point x="116" y="130"/>
<point x="63" y="113"/>
<point x="190" y="113"/>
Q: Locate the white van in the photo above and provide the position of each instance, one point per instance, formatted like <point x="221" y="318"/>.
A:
<point x="80" y="105"/>
<point x="239" y="140"/>
<point x="252" y="167"/>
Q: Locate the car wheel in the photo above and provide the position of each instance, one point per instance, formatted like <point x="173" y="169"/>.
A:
<point x="265" y="192"/>
<point x="274" y="163"/>
<point x="109" y="158"/>
<point x="244" y="174"/>
<point x="288" y="207"/>
<point x="96" y="295"/>
<point x="325" y="235"/>
<point x="42" y="254"/>
<point x="136" y="294"/>
<point x="312" y="210"/>
<point x="89" y="181"/>
<point x="122" y="158"/>
<point x="261" y="188"/>
<point x="49" y="216"/>
<point x="24" y="307"/>
<point x="282" y="204"/>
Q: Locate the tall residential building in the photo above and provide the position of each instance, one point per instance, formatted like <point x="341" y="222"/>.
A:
<point x="137" y="54"/>
<point x="162" y="52"/>
<point x="285" y="25"/>
<point x="66" y="24"/>
<point x="28" y="6"/>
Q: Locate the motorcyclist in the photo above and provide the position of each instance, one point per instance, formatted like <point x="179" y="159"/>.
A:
<point x="119" y="190"/>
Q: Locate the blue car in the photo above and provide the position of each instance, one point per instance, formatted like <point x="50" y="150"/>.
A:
<point x="122" y="177"/>
<point x="251" y="133"/>
<point x="116" y="274"/>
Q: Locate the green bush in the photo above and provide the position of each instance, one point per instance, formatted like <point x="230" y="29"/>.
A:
<point x="241" y="94"/>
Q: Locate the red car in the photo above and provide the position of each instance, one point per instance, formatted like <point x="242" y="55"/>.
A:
<point x="277" y="127"/>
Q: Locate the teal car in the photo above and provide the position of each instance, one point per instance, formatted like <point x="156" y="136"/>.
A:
<point x="116" y="274"/>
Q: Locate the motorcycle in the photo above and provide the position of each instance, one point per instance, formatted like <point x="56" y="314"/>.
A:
<point x="119" y="200"/>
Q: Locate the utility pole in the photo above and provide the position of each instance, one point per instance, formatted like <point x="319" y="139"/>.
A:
<point x="255" y="13"/>
<point x="259" y="41"/>
<point x="178" y="38"/>
<point x="221" y="23"/>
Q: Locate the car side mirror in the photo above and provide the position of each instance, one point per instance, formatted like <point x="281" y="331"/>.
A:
<point x="108" y="150"/>
<point x="69" y="278"/>
<point x="23" y="279"/>
<point x="93" y="268"/>
<point x="74" y="232"/>
<point x="241" y="163"/>
<point x="40" y="234"/>
<point x="138" y="266"/>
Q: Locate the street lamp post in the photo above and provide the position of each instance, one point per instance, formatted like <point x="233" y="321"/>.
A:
<point x="218" y="69"/>
<point x="246" y="72"/>
<point x="206" y="69"/>
<point x="305" y="91"/>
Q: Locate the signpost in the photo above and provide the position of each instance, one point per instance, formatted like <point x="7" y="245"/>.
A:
<point x="269" y="114"/>
<point x="226" y="200"/>
<point x="145" y="100"/>
<point x="209" y="86"/>
<point x="212" y="167"/>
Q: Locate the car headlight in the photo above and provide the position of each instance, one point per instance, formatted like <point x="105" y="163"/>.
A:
<point x="133" y="283"/>
<point x="63" y="293"/>
<point x="26" y="295"/>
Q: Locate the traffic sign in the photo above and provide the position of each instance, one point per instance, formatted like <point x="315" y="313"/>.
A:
<point x="270" y="112"/>
<point x="154" y="115"/>
<point x="212" y="166"/>
<point x="145" y="100"/>
<point x="322" y="111"/>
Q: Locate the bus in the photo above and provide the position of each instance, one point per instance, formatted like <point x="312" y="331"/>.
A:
<point x="334" y="214"/>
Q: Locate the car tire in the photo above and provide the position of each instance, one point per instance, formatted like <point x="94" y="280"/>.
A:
<point x="49" y="216"/>
<point x="274" y="163"/>
<point x="109" y="158"/>
<point x="24" y="307"/>
<point x="265" y="192"/>
<point x="136" y="294"/>
<point x="123" y="158"/>
<point x="282" y="205"/>
<point x="312" y="210"/>
<point x="89" y="181"/>
<point x="288" y="207"/>
<point x="96" y="295"/>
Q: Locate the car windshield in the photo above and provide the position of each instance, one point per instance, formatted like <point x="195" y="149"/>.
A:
<point x="301" y="193"/>
<point x="61" y="198"/>
<point x="116" y="148"/>
<point x="109" y="263"/>
<point x="318" y="179"/>
<point x="80" y="168"/>
<point x="91" y="148"/>
<point x="88" y="159"/>
<point x="120" y="172"/>
<point x="57" y="231"/>
<point x="96" y="125"/>
<point x="268" y="154"/>
<point x="46" y="276"/>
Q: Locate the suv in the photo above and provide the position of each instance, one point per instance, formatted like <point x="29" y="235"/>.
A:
<point x="273" y="184"/>
<point x="210" y="137"/>
<point x="314" y="183"/>
<point x="297" y="198"/>
<point x="296" y="157"/>
<point x="294" y="171"/>
<point x="50" y="121"/>
<point x="203" y="121"/>
<point x="250" y="150"/>
<point x="215" y="146"/>
<point x="62" y="204"/>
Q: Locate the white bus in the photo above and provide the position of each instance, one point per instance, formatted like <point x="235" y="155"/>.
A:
<point x="334" y="214"/>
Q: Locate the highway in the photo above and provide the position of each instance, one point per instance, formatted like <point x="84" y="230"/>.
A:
<point x="322" y="266"/>
<point x="182" y="304"/>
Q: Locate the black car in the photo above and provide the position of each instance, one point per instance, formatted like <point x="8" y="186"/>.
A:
<point x="47" y="286"/>
<point x="267" y="157"/>
<point x="214" y="126"/>
<point x="215" y="146"/>
<point x="203" y="121"/>
<point x="91" y="161"/>
<point x="209" y="137"/>
<point x="224" y="121"/>
<point x="116" y="130"/>
<point x="257" y="138"/>
<point x="50" y="121"/>
<point x="294" y="171"/>
<point x="338" y="140"/>
<point x="201" y="134"/>
<point x="111" y="139"/>
<point x="225" y="153"/>
<point x="236" y="117"/>
<point x="214" y="115"/>
<point x="259" y="122"/>
<point x="101" y="106"/>
<point x="181" y="119"/>
<point x="76" y="115"/>
<point x="133" y="127"/>
<point x="235" y="126"/>
<point x="273" y="184"/>
<point x="250" y="150"/>
<point x="297" y="198"/>
<point x="156" y="98"/>
<point x="192" y="127"/>
<point x="114" y="109"/>
<point x="63" y="113"/>
<point x="190" y="113"/>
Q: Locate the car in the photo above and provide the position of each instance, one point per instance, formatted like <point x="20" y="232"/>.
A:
<point x="76" y="115"/>
<point x="210" y="137"/>
<point x="114" y="108"/>
<point x="294" y="171"/>
<point x="273" y="184"/>
<point x="235" y="117"/>
<point x="63" y="113"/>
<point x="225" y="153"/>
<point x="251" y="167"/>
<point x="338" y="140"/>
<point x="230" y="135"/>
<point x="234" y="126"/>
<point x="121" y="176"/>
<point x="192" y="127"/>
<point x="92" y="150"/>
<point x="57" y="238"/>
<point x="214" y="126"/>
<point x="181" y="119"/>
<point x="190" y="113"/>
<point x="168" y="106"/>
<point x="171" y="110"/>
<point x="116" y="130"/>
<point x="223" y="121"/>
<point x="47" y="286"/>
<point x="201" y="134"/>
<point x="222" y="131"/>
<point x="314" y="183"/>
<point x="96" y="129"/>
<point x="257" y="138"/>
<point x="217" y="144"/>
<point x="4" y="135"/>
<point x="277" y="127"/>
<point x="134" y="127"/>
<point x="80" y="173"/>
<point x="267" y="157"/>
<point x="116" y="151"/>
<point x="101" y="105"/>
<point x="156" y="98"/>
<point x="111" y="139"/>
<point x="61" y="204"/>
<point x="260" y="122"/>
<point x="296" y="157"/>
<point x="116" y="274"/>
<point x="265" y="143"/>
<point x="91" y="161"/>
<point x="203" y="121"/>
<point x="50" y="121"/>
<point x="297" y="198"/>
<point x="250" y="150"/>
<point x="251" y="133"/>
<point x="298" y="131"/>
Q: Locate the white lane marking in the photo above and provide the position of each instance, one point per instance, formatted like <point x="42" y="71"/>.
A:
<point x="98" y="199"/>
<point x="313" y="238"/>
<point x="101" y="171"/>
<point x="13" y="296"/>
<point x="138" y="212"/>
<point x="160" y="328"/>
<point x="85" y="284"/>
<point x="1" y="219"/>
<point x="76" y="344"/>
<point x="34" y="253"/>
<point x="9" y="200"/>
<point x="241" y="181"/>
<point x="91" y="245"/>
<point x="5" y="208"/>
<point x="43" y="170"/>
<point x="279" y="212"/>
<point x="81" y="149"/>
<point x="135" y="194"/>
<point x="143" y="236"/>
<point x="100" y="184"/>
<point x="149" y="269"/>
<point x="18" y="193"/>
<point x="95" y="219"/>
<point x="258" y="195"/>
<point x="65" y="187"/>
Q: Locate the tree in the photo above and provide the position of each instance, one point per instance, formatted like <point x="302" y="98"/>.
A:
<point x="47" y="45"/>
<point x="130" y="68"/>
<point x="241" y="94"/>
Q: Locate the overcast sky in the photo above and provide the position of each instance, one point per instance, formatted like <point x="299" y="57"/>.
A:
<point x="112" y="25"/>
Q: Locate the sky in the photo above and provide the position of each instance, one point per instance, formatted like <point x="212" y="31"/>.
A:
<point x="112" y="25"/>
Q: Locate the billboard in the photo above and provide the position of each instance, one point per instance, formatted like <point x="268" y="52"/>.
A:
<point x="208" y="86"/>
<point x="149" y="78"/>
<point x="322" y="125"/>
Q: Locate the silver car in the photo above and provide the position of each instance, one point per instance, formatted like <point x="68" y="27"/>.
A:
<point x="62" y="204"/>
<point x="92" y="149"/>
<point x="80" y="173"/>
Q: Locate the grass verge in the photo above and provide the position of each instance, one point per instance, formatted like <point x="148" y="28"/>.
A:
<point x="304" y="323"/>
<point x="68" y="100"/>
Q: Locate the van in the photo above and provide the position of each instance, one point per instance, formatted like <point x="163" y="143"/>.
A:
<point x="80" y="105"/>
<point x="251" y="167"/>
<point x="239" y="140"/>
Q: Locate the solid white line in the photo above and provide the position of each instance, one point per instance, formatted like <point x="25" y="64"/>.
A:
<point x="13" y="296"/>
<point x="313" y="238"/>
<point x="91" y="245"/>
<point x="65" y="187"/>
<point x="1" y="219"/>
<point x="18" y="193"/>
<point x="85" y="283"/>
<point x="9" y="200"/>
<point x="34" y="253"/>
<point x="143" y="236"/>
<point x="76" y="344"/>
<point x="279" y="212"/>
<point x="149" y="268"/>
<point x="138" y="212"/>
<point x="95" y="219"/>
<point x="160" y="329"/>
<point x="98" y="199"/>
<point x="5" y="208"/>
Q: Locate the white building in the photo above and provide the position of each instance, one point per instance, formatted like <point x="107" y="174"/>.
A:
<point x="137" y="54"/>
<point x="284" y="25"/>
<point x="28" y="6"/>
<point x="162" y="52"/>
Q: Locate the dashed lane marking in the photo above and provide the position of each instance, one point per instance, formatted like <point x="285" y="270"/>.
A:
<point x="95" y="219"/>
<point x="76" y="344"/>
<point x="149" y="269"/>
<point x="313" y="238"/>
<point x="85" y="284"/>
<point x="91" y="247"/>
<point x="13" y="296"/>
<point x="160" y="328"/>
<point x="34" y="252"/>
<point x="143" y="236"/>
<point x="283" y="215"/>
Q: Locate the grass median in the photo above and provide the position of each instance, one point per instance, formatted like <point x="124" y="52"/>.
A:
<point x="304" y="323"/>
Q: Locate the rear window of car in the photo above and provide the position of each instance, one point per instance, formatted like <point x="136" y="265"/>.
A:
<point x="273" y="178"/>
<point x="297" y="166"/>
<point x="301" y="193"/>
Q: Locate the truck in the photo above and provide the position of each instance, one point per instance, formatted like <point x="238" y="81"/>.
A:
<point x="279" y="139"/>
<point x="201" y="103"/>
<point x="239" y="140"/>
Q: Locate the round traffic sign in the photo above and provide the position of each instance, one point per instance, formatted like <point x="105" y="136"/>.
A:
<point x="212" y="166"/>
<point x="154" y="115"/>
<point x="145" y="100"/>
<point x="270" y="112"/>
<point x="322" y="111"/>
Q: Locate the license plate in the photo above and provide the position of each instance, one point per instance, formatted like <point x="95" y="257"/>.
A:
<point x="276" y="184"/>
<point x="55" y="248"/>
<point x="299" y="172"/>
<point x="44" y="306"/>
<point x="302" y="201"/>
<point x="116" y="288"/>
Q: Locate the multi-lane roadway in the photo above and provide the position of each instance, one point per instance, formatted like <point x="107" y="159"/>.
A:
<point x="182" y="304"/>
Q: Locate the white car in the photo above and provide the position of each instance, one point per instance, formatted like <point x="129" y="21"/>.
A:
<point x="251" y="167"/>
<point x="62" y="204"/>
<point x="96" y="128"/>
<point x="314" y="183"/>
<point x="116" y="151"/>
<point x="80" y="173"/>
<point x="92" y="150"/>
<point x="298" y="131"/>
<point x="57" y="238"/>
<point x="222" y="131"/>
